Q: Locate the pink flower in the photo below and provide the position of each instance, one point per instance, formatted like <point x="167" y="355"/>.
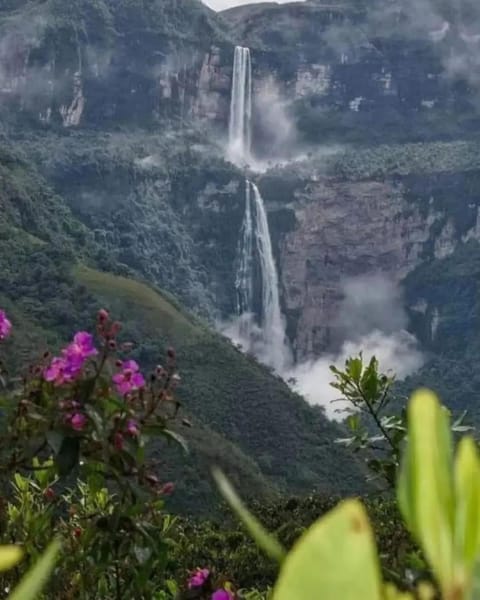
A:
<point x="81" y="348"/>
<point x="61" y="371"/>
<point x="78" y="421"/>
<point x="168" y="488"/>
<point x="198" y="579"/>
<point x="67" y="367"/>
<point x="132" y="427"/>
<point x="102" y="315"/>
<point x="5" y="325"/>
<point x="222" y="594"/>
<point x="129" y="379"/>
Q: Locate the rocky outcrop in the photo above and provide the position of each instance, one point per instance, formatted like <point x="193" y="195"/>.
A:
<point x="340" y="229"/>
<point x="214" y="82"/>
<point x="102" y="63"/>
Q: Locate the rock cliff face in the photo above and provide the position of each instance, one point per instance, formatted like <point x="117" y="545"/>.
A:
<point x="340" y="229"/>
<point x="102" y="63"/>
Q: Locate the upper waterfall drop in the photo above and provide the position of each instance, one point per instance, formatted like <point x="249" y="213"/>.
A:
<point x="239" y="133"/>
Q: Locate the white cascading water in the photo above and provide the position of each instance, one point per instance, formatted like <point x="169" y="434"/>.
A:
<point x="244" y="275"/>
<point x="273" y="326"/>
<point x="267" y="340"/>
<point x="239" y="132"/>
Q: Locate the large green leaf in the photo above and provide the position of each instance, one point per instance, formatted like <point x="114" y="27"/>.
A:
<point x="336" y="559"/>
<point x="9" y="557"/>
<point x="35" y="579"/>
<point x="425" y="486"/>
<point x="467" y="507"/>
<point x="267" y="542"/>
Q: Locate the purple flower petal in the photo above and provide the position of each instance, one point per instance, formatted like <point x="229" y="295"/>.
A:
<point x="222" y="595"/>
<point x="130" y="365"/>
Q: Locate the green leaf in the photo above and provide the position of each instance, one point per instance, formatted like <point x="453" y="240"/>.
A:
<point x="425" y="485"/>
<point x="353" y="422"/>
<point x="35" y="579"/>
<point x="354" y="368"/>
<point x="9" y="557"/>
<point x="267" y="542"/>
<point x="335" y="559"/>
<point x="467" y="509"/>
<point x="172" y="587"/>
<point x="176" y="438"/>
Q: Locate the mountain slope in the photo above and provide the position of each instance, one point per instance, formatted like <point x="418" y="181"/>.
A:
<point x="266" y="437"/>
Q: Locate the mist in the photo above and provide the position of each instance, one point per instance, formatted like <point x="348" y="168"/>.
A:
<point x="453" y="27"/>
<point x="275" y="129"/>
<point x="372" y="320"/>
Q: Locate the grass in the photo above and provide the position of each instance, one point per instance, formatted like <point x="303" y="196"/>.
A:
<point x="158" y="311"/>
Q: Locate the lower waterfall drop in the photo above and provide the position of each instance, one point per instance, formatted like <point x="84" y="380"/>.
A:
<point x="266" y="339"/>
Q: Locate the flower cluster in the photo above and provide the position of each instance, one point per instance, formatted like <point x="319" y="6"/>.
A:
<point x="129" y="379"/>
<point x="201" y="577"/>
<point x="5" y="325"/>
<point x="67" y="367"/>
<point x="198" y="578"/>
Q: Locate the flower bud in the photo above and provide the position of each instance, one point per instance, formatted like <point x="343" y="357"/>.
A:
<point x="114" y="329"/>
<point x="49" y="494"/>
<point x="168" y="488"/>
<point x="102" y="315"/>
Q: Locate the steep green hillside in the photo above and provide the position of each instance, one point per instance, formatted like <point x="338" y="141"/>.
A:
<point x="244" y="418"/>
<point x="229" y="392"/>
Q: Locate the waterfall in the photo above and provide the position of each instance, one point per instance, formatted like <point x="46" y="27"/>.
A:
<point x="263" y="334"/>
<point x="244" y="275"/>
<point x="239" y="134"/>
<point x="273" y="327"/>
<point x="267" y="339"/>
<point x="244" y="278"/>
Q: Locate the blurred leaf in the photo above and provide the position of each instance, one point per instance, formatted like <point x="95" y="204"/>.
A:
<point x="33" y="582"/>
<point x="335" y="559"/>
<point x="267" y="542"/>
<point x="467" y="508"/>
<point x="353" y="422"/>
<point x="10" y="556"/>
<point x="142" y="553"/>
<point x="425" y="485"/>
<point x="176" y="438"/>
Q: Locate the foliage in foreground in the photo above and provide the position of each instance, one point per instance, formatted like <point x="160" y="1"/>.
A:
<point x="439" y="497"/>
<point x="74" y="453"/>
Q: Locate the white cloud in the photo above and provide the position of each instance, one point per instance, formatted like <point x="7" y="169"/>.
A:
<point x="224" y="4"/>
<point x="373" y="320"/>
